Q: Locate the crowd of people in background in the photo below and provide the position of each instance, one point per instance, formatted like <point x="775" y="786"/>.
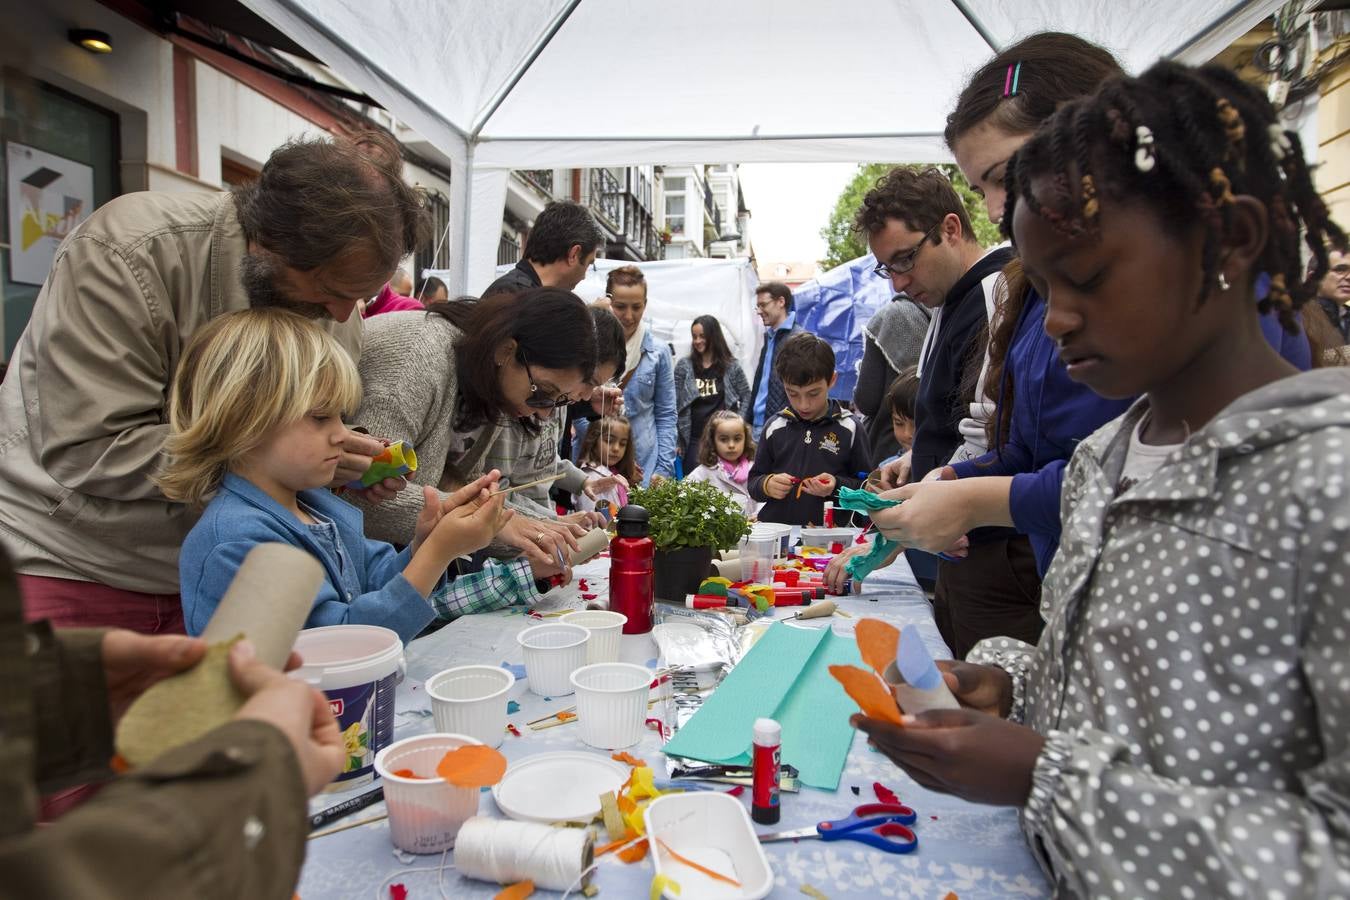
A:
<point x="1119" y="438"/>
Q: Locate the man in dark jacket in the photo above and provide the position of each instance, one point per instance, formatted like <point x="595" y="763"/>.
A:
<point x="562" y="245"/>
<point x="1333" y="293"/>
<point x="773" y="301"/>
<point x="918" y="229"/>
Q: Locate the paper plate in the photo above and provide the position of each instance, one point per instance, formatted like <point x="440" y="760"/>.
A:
<point x="558" y="787"/>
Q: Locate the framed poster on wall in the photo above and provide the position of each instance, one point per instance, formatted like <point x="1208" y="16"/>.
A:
<point x="48" y="196"/>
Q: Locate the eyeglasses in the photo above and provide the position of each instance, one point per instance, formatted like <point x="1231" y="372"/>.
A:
<point x="540" y="401"/>
<point x="905" y="261"/>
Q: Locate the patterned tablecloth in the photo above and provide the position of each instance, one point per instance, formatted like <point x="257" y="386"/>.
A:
<point x="975" y="851"/>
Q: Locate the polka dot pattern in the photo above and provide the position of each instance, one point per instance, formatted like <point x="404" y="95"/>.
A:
<point x="1193" y="679"/>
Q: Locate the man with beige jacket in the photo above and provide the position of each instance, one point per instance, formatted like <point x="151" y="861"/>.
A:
<point x="83" y="409"/>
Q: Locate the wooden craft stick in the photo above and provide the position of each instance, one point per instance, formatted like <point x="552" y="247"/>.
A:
<point x="357" y="824"/>
<point x="520" y="487"/>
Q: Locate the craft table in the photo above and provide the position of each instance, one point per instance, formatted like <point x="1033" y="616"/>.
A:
<point x="975" y="851"/>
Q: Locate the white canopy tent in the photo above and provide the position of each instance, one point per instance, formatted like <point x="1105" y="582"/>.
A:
<point x="531" y="84"/>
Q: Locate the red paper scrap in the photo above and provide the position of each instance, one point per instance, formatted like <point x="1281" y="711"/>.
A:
<point x="884" y="794"/>
<point x="398" y="892"/>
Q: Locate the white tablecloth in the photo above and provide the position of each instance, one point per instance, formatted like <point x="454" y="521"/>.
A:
<point x="976" y="851"/>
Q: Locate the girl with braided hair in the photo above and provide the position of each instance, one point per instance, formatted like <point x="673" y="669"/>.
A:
<point x="1181" y="728"/>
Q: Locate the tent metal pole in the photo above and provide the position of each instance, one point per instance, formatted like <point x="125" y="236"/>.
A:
<point x="1218" y="22"/>
<point x="466" y="222"/>
<point x="519" y="72"/>
<point x="691" y="139"/>
<point x="977" y="25"/>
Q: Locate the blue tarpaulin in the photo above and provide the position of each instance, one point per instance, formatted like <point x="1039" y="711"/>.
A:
<point x="836" y="306"/>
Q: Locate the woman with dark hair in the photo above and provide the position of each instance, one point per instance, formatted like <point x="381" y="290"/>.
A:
<point x="449" y="380"/>
<point x="707" y="380"/>
<point x="526" y="457"/>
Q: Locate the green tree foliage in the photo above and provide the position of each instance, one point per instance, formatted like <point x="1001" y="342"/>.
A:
<point x="843" y="244"/>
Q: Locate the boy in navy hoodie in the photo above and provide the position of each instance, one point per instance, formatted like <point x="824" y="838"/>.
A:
<point x="813" y="446"/>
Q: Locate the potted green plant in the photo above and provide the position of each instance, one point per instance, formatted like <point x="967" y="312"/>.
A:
<point x="690" y="521"/>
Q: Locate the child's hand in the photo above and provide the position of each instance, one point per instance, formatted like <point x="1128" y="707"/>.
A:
<point x="895" y="473"/>
<point x="468" y="527"/>
<point x="836" y="573"/>
<point x="544" y="571"/>
<point x="358" y="450"/>
<point x="777" y="486"/>
<point x="978" y="757"/>
<point x="434" y="508"/>
<point x="587" y="520"/>
<point x="594" y="487"/>
<point x="822" y="485"/>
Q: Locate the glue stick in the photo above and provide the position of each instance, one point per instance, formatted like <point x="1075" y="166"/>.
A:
<point x="764" y="807"/>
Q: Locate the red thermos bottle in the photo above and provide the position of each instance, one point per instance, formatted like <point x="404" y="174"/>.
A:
<point x="630" y="570"/>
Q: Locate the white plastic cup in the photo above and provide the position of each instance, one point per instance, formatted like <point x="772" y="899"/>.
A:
<point x="424" y="813"/>
<point x="606" y="629"/>
<point x="611" y="703"/>
<point x="471" y="700"/>
<point x="552" y="653"/>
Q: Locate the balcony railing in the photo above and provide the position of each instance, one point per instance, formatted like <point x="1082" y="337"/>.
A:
<point x="540" y="178"/>
<point x="508" y="252"/>
<point x="606" y="199"/>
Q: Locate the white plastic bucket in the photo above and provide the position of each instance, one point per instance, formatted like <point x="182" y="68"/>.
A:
<point x="425" y="813"/>
<point x="357" y="667"/>
<point x="552" y="653"/>
<point x="713" y="830"/>
<point x="611" y="703"/>
<point x="606" y="630"/>
<point x="471" y="700"/>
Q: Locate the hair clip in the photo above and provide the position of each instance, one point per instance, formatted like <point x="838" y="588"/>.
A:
<point x="1232" y="121"/>
<point x="1010" y="80"/>
<point x="1280" y="145"/>
<point x="1089" y="199"/>
<point x="1220" y="187"/>
<point x="1143" y="153"/>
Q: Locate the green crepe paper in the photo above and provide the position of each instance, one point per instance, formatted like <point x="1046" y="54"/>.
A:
<point x="785" y="676"/>
<point x="866" y="502"/>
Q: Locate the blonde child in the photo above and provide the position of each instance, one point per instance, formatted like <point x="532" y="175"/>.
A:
<point x="255" y="429"/>
<point x="726" y="451"/>
<point x="607" y="450"/>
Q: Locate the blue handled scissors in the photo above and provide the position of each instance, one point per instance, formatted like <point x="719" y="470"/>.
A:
<point x="881" y="825"/>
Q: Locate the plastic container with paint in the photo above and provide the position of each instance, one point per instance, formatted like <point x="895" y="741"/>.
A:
<point x="357" y="667"/>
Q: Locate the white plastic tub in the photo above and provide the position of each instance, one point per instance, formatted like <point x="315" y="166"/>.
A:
<point x="425" y="813"/>
<point x="471" y="700"/>
<point x="713" y="830"/>
<point x="552" y="653"/>
<point x="606" y="629"/>
<point x="611" y="703"/>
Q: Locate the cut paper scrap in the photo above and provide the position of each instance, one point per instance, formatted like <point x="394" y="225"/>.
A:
<point x="472" y="765"/>
<point x="662" y="884"/>
<point x="884" y="794"/>
<point x="815" y="892"/>
<point x="398" y="892"/>
<point x="869" y="692"/>
<point x="397" y="460"/>
<point x="628" y="759"/>
<point x="409" y="773"/>
<point x="683" y="860"/>
<point x="877" y="641"/>
<point x="518" y="891"/>
<point x="866" y="502"/>
<point x="785" y="676"/>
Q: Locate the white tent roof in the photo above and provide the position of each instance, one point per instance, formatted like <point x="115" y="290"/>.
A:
<point x="527" y="84"/>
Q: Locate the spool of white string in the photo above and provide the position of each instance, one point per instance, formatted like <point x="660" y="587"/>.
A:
<point x="506" y="852"/>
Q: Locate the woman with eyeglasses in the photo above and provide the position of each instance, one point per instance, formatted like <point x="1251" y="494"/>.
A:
<point x="648" y="381"/>
<point x="449" y="380"/>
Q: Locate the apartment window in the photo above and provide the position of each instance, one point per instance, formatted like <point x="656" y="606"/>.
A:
<point x="675" y="213"/>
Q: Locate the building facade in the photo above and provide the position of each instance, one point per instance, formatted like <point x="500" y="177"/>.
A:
<point x="177" y="105"/>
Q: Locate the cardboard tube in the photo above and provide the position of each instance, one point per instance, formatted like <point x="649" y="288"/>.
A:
<point x="268" y="601"/>
<point x="592" y="543"/>
<point x="912" y="700"/>
<point x="733" y="553"/>
<point x="729" y="569"/>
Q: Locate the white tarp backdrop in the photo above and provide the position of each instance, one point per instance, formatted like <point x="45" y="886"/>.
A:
<point x="531" y="84"/>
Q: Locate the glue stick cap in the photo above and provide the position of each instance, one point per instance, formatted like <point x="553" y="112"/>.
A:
<point x="632" y="521"/>
<point x="768" y="733"/>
